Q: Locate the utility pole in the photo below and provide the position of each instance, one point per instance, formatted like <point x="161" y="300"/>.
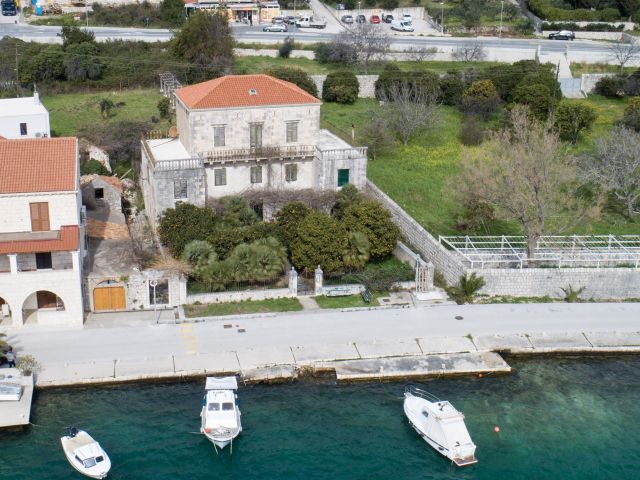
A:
<point x="442" y="17"/>
<point x="295" y="26"/>
<point x="17" y="73"/>
<point x="501" y="10"/>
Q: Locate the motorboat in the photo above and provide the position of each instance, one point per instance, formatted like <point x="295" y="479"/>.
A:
<point x="440" y="425"/>
<point x="85" y="454"/>
<point x="220" y="413"/>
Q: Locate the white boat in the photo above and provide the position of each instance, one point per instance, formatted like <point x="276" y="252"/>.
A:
<point x="220" y="413"/>
<point x="85" y="454"/>
<point x="440" y="425"/>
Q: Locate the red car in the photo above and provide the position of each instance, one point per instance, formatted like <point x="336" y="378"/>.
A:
<point x="374" y="19"/>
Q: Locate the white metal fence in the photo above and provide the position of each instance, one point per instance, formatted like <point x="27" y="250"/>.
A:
<point x="478" y="252"/>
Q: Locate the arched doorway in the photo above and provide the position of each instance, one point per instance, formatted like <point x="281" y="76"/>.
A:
<point x="108" y="296"/>
<point x="39" y="304"/>
<point x="5" y="312"/>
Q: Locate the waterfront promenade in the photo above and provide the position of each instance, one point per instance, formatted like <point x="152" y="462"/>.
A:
<point x="121" y="349"/>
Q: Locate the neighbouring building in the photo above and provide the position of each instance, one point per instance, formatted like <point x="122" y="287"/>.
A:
<point x="41" y="233"/>
<point x="243" y="133"/>
<point x="24" y="117"/>
<point x="241" y="11"/>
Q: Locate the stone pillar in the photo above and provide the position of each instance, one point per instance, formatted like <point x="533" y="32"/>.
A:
<point x="430" y="272"/>
<point x="13" y="263"/>
<point x="75" y="261"/>
<point x="293" y="281"/>
<point x="183" y="290"/>
<point x="319" y="277"/>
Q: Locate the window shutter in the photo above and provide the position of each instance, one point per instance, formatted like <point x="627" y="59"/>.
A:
<point x="39" y="216"/>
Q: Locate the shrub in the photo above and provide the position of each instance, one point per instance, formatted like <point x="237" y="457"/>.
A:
<point x="340" y="87"/>
<point x="197" y="252"/>
<point x="467" y="287"/>
<point x="507" y="77"/>
<point x="451" y="88"/>
<point x="612" y="87"/>
<point x="82" y="62"/>
<point x="547" y="10"/>
<point x="590" y="27"/>
<point x="164" y="107"/>
<point x="537" y="97"/>
<point x="320" y="240"/>
<point x="573" y="118"/>
<point x="72" y="35"/>
<point x="289" y="217"/>
<point x="392" y="78"/>
<point x="347" y="196"/>
<point x="286" y="48"/>
<point x="27" y="364"/>
<point x="296" y="76"/>
<point x="371" y="218"/>
<point x="336" y="52"/>
<point x="631" y="117"/>
<point x="571" y="295"/>
<point x="181" y="225"/>
<point x="93" y="167"/>
<point x="481" y="98"/>
<point x="471" y="132"/>
<point x="380" y="276"/>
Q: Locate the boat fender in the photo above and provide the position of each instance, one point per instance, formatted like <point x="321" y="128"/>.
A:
<point x="496" y="429"/>
<point x="207" y="430"/>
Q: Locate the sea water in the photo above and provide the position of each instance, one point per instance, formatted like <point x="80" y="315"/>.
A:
<point x="559" y="418"/>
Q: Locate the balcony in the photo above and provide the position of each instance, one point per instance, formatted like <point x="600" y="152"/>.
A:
<point x="261" y="153"/>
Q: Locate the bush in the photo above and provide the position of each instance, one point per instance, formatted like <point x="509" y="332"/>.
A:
<point x="336" y="52"/>
<point x="289" y="217"/>
<point x="296" y="76"/>
<point x="507" y="77"/>
<point x="590" y="27"/>
<point x="183" y="224"/>
<point x="545" y="9"/>
<point x="381" y="276"/>
<point x="82" y="62"/>
<point x="286" y="48"/>
<point x="341" y="87"/>
<point x="423" y="82"/>
<point x="612" y="87"/>
<point x="573" y="118"/>
<point x="164" y="107"/>
<point x="537" y="97"/>
<point x="481" y="98"/>
<point x="320" y="240"/>
<point x="372" y="219"/>
<point x="471" y="132"/>
<point x="467" y="287"/>
<point x="631" y="117"/>
<point x="197" y="252"/>
<point x="93" y="167"/>
<point x="451" y="88"/>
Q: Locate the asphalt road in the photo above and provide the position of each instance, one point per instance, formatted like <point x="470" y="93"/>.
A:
<point x="255" y="34"/>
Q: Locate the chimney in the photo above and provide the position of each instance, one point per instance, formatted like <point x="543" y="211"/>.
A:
<point x="36" y="95"/>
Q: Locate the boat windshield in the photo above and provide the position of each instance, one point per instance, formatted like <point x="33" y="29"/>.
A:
<point x="227" y="406"/>
<point x="214" y="407"/>
<point x="99" y="459"/>
<point x="89" y="462"/>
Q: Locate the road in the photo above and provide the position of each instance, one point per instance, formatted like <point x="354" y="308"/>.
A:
<point x="320" y="329"/>
<point x="255" y="34"/>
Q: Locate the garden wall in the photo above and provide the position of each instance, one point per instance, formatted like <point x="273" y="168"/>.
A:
<point x="239" y="296"/>
<point x="613" y="36"/>
<point x="589" y="80"/>
<point x="366" y="82"/>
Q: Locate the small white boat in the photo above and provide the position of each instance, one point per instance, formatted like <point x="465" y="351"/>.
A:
<point x="440" y="425"/>
<point x="85" y="454"/>
<point x="220" y="413"/>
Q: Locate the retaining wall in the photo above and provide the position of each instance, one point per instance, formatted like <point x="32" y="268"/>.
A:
<point x="589" y="35"/>
<point x="239" y="296"/>
<point x="367" y="84"/>
<point x="589" y="80"/>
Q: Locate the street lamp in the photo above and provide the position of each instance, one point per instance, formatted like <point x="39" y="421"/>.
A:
<point x="442" y="16"/>
<point x="154" y="283"/>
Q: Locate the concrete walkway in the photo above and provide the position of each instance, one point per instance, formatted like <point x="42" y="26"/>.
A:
<point x="133" y="352"/>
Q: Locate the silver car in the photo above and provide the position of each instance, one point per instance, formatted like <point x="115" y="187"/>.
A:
<point x="276" y="27"/>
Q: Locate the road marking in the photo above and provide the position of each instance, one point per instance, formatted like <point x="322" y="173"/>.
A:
<point x="189" y="339"/>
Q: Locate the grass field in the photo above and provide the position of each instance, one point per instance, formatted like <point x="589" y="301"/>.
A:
<point x="235" y="308"/>
<point x="349" y="301"/>
<point x="577" y="69"/>
<point x="69" y="112"/>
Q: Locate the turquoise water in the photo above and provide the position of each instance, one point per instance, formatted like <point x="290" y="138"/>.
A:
<point x="559" y="418"/>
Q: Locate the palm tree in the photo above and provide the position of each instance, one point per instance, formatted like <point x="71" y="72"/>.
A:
<point x="214" y="273"/>
<point x="357" y="254"/>
<point x="466" y="289"/>
<point x="268" y="263"/>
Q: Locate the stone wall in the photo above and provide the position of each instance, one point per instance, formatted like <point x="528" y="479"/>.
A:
<point x="367" y="84"/>
<point x="589" y="80"/>
<point x="613" y="36"/>
<point x="239" y="296"/>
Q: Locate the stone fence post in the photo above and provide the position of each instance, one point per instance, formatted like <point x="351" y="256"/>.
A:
<point x="319" y="277"/>
<point x="293" y="281"/>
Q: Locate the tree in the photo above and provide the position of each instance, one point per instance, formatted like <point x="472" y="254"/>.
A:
<point x="481" y="98"/>
<point x="526" y="175"/>
<point x="408" y="110"/>
<point x="422" y="83"/>
<point x="451" y="88"/>
<point x="358" y="251"/>
<point x="296" y="76"/>
<point x="82" y="62"/>
<point x="106" y="106"/>
<point x="347" y="196"/>
<point x="375" y="133"/>
<point x="623" y="51"/>
<point x="164" y="107"/>
<point x="372" y="219"/>
<point x="48" y="64"/>
<point x="340" y="87"/>
<point x="289" y="217"/>
<point x="470" y="52"/>
<point x="615" y="166"/>
<point x="198" y="252"/>
<point x="367" y="41"/>
<point x="573" y="118"/>
<point x="537" y="97"/>
<point x="72" y="35"/>
<point x="339" y="50"/>
<point x="235" y="212"/>
<point x="172" y="12"/>
<point x="631" y="117"/>
<point x="468" y="286"/>
<point x="320" y="240"/>
<point x="286" y="48"/>
<point x="206" y="41"/>
<point x="181" y="225"/>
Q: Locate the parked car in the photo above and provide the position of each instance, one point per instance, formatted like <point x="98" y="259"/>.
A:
<point x="402" y="26"/>
<point x="275" y="27"/>
<point x="361" y="19"/>
<point x="291" y="20"/>
<point x="562" y="35"/>
<point x="347" y="19"/>
<point x="374" y="19"/>
<point x="387" y="18"/>
<point x="277" y="20"/>
<point x="406" y="17"/>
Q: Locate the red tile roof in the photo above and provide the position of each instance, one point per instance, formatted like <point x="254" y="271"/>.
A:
<point x="237" y="91"/>
<point x="38" y="165"/>
<point x="67" y="241"/>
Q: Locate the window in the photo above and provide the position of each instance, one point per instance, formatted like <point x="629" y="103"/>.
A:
<point x="292" y="132"/>
<point x="218" y="136"/>
<point x="255" y="135"/>
<point x="179" y="188"/>
<point x="23" y="129"/>
<point x="256" y="174"/>
<point x="39" y="216"/>
<point x="291" y="172"/>
<point x="46" y="299"/>
<point x="214" y="407"/>
<point x="220" y="176"/>
<point x="89" y="462"/>
<point x="343" y="176"/>
<point x="43" y="261"/>
<point x="227" y="406"/>
<point x="98" y="193"/>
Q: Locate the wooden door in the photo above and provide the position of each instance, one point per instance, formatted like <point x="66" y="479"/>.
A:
<point x="39" y="216"/>
<point x="109" y="298"/>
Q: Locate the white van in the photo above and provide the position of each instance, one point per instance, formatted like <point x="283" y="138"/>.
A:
<point x="402" y="26"/>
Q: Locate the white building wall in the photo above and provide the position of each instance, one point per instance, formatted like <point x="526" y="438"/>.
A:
<point x="199" y="135"/>
<point x="16" y="214"/>
<point x="36" y="124"/>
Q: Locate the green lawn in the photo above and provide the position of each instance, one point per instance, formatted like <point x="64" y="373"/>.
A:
<point x="69" y="112"/>
<point x="577" y="69"/>
<point x="235" y="308"/>
<point x="348" y="301"/>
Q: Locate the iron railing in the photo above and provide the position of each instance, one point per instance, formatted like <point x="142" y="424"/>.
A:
<point x="259" y="153"/>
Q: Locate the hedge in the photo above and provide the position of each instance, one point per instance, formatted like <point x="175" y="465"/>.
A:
<point x="590" y="27"/>
<point x="544" y="10"/>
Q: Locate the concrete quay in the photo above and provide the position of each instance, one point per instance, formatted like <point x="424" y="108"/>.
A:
<point x="16" y="414"/>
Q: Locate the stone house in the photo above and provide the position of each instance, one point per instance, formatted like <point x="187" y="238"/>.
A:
<point x="245" y="133"/>
<point x="41" y="233"/>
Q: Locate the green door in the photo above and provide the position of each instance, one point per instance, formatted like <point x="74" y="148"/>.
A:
<point x="343" y="177"/>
